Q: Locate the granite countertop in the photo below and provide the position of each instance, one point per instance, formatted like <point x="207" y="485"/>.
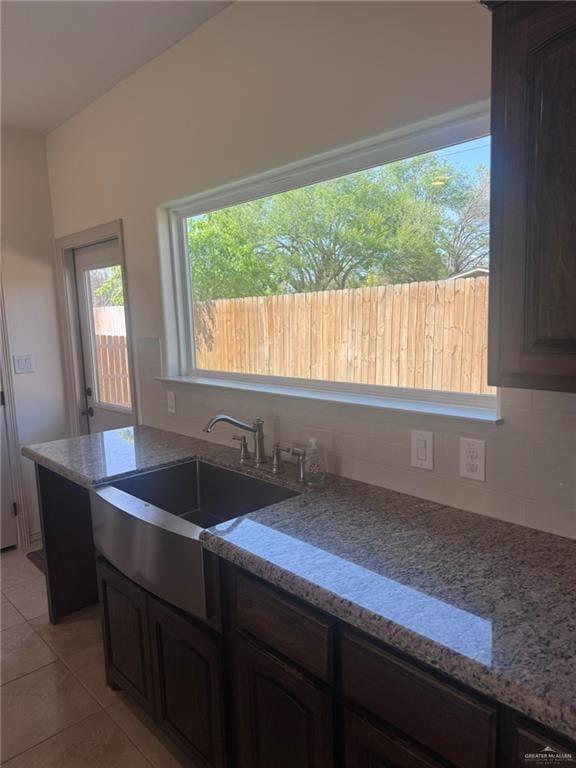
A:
<point x="102" y="457"/>
<point x="489" y="603"/>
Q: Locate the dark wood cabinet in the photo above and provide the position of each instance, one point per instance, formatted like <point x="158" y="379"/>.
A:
<point x="188" y="684"/>
<point x="370" y="747"/>
<point x="528" y="744"/>
<point x="457" y="726"/>
<point x="533" y="227"/>
<point x="282" y="718"/>
<point x="298" y="691"/>
<point x="125" y="630"/>
<point x="288" y="626"/>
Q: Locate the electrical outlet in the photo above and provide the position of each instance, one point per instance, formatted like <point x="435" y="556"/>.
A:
<point x="171" y="401"/>
<point x="23" y="364"/>
<point x="422" y="449"/>
<point x="473" y="459"/>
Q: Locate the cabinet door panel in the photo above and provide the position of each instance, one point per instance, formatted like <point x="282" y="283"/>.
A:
<point x="525" y="744"/>
<point x="533" y="245"/>
<point x="369" y="747"/>
<point x="282" y="719"/>
<point x="126" y="645"/>
<point x="187" y="668"/>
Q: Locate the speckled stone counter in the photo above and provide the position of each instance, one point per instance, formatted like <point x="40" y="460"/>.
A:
<point x="490" y="603"/>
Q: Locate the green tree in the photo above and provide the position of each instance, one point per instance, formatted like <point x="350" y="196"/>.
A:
<point x="110" y="292"/>
<point x="227" y="259"/>
<point x="415" y="219"/>
<point x="387" y="225"/>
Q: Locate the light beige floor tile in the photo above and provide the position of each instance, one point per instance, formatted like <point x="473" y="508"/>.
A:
<point x="10" y="615"/>
<point x="93" y="654"/>
<point x="40" y="705"/>
<point x="22" y="651"/>
<point x="143" y="733"/>
<point x="88" y="666"/>
<point x="16" y="569"/>
<point x="94" y="743"/>
<point x="73" y="634"/>
<point x="29" y="597"/>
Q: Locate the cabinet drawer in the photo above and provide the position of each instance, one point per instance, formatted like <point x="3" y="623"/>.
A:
<point x="368" y="746"/>
<point x="283" y="625"/>
<point x="450" y="723"/>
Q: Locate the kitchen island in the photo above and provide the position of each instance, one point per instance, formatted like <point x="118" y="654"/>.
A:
<point x="487" y="604"/>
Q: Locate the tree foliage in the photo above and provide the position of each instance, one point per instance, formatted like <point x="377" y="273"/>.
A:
<point x="416" y="219"/>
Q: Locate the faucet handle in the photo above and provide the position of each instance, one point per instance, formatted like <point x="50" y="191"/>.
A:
<point x="244" y="452"/>
<point x="300" y="453"/>
<point x="277" y="465"/>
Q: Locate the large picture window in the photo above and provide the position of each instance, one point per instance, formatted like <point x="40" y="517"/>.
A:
<point x="374" y="278"/>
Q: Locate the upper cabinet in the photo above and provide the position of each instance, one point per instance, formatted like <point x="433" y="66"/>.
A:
<point x="533" y="219"/>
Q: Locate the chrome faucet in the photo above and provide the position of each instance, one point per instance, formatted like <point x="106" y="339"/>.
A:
<point x="257" y="429"/>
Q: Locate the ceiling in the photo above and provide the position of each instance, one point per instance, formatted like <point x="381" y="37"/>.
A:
<point x="60" y="55"/>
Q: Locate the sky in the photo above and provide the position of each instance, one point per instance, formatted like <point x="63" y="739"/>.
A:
<point x="469" y="155"/>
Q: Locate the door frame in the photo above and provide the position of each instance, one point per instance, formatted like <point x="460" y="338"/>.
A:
<point x="12" y="436"/>
<point x="68" y="311"/>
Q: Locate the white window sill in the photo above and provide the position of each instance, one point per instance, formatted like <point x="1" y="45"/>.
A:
<point x="485" y="411"/>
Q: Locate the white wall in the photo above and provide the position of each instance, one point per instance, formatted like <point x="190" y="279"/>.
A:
<point x="260" y="85"/>
<point x="28" y="282"/>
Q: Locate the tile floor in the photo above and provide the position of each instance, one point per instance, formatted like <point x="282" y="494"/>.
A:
<point x="57" y="711"/>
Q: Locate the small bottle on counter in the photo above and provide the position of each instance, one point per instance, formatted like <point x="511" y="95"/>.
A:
<point x="314" y="471"/>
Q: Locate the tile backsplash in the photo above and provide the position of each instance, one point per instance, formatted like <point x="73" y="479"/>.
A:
<point x="530" y="457"/>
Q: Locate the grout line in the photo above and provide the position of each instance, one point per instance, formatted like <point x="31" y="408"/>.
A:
<point x="36" y="669"/>
<point x="128" y="737"/>
<point x="42" y="741"/>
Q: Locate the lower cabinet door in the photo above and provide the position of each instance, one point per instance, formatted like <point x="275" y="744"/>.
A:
<point x="188" y="681"/>
<point x="526" y="746"/>
<point x="369" y="747"/>
<point x="125" y="630"/>
<point x="282" y="720"/>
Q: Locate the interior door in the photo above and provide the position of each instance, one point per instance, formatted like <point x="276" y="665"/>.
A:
<point x="9" y="533"/>
<point x="103" y="329"/>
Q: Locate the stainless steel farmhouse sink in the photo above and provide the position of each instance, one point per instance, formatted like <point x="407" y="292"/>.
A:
<point x="149" y="525"/>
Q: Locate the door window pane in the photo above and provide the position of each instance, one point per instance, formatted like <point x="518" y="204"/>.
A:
<point x="110" y="349"/>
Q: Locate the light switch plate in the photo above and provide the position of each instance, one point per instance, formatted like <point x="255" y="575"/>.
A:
<point x="23" y="364"/>
<point x="473" y="458"/>
<point x="422" y="449"/>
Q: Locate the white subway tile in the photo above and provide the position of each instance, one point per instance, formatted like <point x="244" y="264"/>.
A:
<point x="531" y="456"/>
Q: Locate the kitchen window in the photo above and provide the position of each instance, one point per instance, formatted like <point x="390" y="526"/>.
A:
<point x="369" y="282"/>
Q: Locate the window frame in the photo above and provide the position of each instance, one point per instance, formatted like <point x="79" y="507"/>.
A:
<point x="465" y="124"/>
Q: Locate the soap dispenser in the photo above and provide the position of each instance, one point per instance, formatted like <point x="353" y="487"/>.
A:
<point x="314" y="471"/>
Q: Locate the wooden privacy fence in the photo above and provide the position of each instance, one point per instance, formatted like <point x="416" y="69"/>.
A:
<point x="430" y="335"/>
<point x="112" y="366"/>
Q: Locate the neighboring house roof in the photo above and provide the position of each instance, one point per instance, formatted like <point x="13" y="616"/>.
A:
<point x="476" y="272"/>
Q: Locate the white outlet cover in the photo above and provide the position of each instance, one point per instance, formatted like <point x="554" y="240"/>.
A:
<point x="23" y="363"/>
<point x="171" y="401"/>
<point x="422" y="449"/>
<point x="473" y="459"/>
